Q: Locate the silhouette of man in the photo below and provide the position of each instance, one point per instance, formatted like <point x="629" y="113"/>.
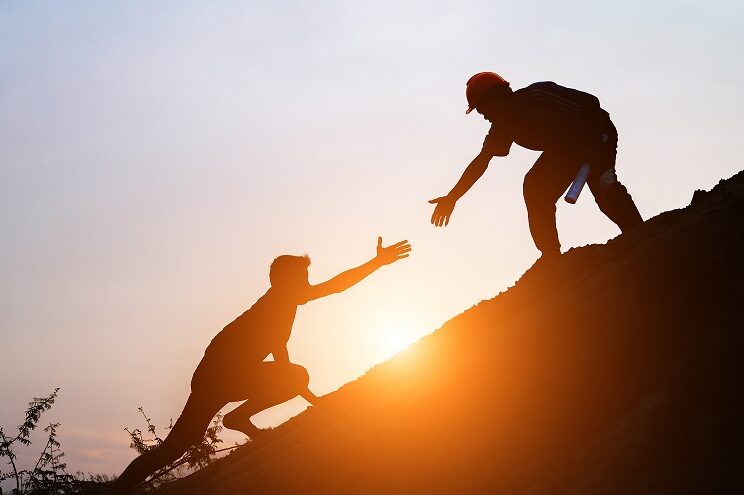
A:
<point x="569" y="127"/>
<point x="233" y="366"/>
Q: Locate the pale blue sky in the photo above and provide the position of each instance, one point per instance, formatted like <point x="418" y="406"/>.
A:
<point x="156" y="156"/>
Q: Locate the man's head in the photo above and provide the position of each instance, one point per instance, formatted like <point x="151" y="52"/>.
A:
<point x="482" y="89"/>
<point x="289" y="272"/>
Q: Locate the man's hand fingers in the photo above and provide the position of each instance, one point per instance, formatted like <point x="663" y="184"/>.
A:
<point x="446" y="220"/>
<point x="435" y="200"/>
<point x="379" y="242"/>
<point x="403" y="249"/>
<point x="400" y="257"/>
<point x="400" y="243"/>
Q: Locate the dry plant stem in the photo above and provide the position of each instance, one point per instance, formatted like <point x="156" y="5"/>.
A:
<point x="167" y="469"/>
<point x="10" y="457"/>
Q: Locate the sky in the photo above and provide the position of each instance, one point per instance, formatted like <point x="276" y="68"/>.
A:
<point x="156" y="157"/>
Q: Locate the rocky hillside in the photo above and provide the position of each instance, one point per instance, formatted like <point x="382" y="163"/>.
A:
<point x="617" y="369"/>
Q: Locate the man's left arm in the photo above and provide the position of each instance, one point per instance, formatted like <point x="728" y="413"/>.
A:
<point x="349" y="278"/>
<point x="280" y="354"/>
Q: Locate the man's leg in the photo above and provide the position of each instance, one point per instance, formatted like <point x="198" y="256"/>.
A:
<point x="611" y="196"/>
<point x="543" y="186"/>
<point x="613" y="199"/>
<point x="188" y="430"/>
<point x="270" y="384"/>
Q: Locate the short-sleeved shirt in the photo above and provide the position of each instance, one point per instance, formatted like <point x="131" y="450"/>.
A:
<point x="542" y="116"/>
<point x="251" y="337"/>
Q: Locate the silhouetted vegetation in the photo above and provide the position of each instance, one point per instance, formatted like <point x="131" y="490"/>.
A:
<point x="197" y="456"/>
<point x="49" y="474"/>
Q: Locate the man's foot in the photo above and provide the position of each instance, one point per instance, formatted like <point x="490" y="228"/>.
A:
<point x="311" y="397"/>
<point x="250" y="430"/>
<point x="544" y="257"/>
<point x="547" y="258"/>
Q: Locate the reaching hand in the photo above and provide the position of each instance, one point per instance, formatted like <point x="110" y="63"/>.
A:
<point x="391" y="254"/>
<point x="443" y="211"/>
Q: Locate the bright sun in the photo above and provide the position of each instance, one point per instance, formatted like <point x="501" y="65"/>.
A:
<point x="395" y="340"/>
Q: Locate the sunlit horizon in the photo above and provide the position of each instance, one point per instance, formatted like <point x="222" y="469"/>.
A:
<point x="396" y="340"/>
<point x="155" y="160"/>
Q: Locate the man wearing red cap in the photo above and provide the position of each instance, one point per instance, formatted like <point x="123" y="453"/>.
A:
<point x="569" y="127"/>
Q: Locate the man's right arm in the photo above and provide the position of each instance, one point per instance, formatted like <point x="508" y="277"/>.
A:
<point x="472" y="173"/>
<point x="446" y="204"/>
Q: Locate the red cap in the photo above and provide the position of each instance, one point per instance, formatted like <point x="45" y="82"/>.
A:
<point x="478" y="85"/>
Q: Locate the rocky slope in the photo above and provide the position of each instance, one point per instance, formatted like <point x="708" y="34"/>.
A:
<point x="617" y="369"/>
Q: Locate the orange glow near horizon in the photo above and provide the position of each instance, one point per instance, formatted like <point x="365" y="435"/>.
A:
<point x="393" y="333"/>
<point x="395" y="339"/>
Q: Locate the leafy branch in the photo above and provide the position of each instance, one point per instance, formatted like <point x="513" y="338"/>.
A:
<point x="49" y="470"/>
<point x="49" y="473"/>
<point x="197" y="456"/>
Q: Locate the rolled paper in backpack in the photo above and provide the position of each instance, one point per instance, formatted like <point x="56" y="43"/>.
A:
<point x="578" y="184"/>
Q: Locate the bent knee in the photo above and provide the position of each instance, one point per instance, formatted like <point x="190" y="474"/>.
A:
<point x="610" y="192"/>
<point x="606" y="182"/>
<point x="298" y="375"/>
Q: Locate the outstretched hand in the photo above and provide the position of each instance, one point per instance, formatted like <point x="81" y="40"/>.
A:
<point x="443" y="210"/>
<point x="391" y="254"/>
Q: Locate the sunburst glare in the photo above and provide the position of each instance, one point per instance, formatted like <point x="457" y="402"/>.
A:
<point x="395" y="338"/>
